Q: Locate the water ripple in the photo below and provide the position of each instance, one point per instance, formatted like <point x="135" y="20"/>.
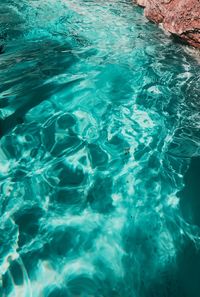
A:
<point x="99" y="122"/>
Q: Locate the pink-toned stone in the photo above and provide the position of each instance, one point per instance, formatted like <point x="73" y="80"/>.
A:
<point x="179" y="17"/>
<point x="142" y="2"/>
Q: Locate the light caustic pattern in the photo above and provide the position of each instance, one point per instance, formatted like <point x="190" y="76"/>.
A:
<point x="99" y="120"/>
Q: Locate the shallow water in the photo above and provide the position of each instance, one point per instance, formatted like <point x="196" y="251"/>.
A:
<point x="99" y="153"/>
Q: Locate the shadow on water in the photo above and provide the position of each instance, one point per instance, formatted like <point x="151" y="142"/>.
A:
<point x="2" y="49"/>
<point x="182" y="278"/>
<point x="33" y="88"/>
<point x="190" y="195"/>
<point x="189" y="258"/>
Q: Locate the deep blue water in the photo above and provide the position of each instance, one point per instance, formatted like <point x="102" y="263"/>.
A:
<point x="99" y="153"/>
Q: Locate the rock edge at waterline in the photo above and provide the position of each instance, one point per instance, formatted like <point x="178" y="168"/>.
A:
<point x="180" y="18"/>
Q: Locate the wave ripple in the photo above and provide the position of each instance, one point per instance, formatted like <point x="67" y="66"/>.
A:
<point x="99" y="121"/>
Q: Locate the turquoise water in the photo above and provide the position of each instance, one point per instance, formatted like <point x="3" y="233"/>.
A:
<point x="99" y="156"/>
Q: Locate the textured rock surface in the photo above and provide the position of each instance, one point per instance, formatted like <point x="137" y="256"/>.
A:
<point x="142" y="2"/>
<point x="179" y="17"/>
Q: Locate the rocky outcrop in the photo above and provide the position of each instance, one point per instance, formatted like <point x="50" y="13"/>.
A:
<point x="179" y="17"/>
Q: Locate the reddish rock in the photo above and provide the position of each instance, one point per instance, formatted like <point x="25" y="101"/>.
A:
<point x="179" y="17"/>
<point x="141" y="2"/>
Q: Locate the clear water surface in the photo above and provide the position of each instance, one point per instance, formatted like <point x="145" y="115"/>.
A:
<point x="99" y="153"/>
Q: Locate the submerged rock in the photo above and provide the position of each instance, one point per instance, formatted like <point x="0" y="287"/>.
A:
<point x="181" y="18"/>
